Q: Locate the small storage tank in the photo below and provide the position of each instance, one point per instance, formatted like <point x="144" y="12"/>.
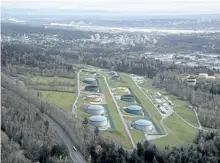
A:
<point x="115" y="77"/>
<point x="134" y="109"/>
<point x="92" y="88"/>
<point x="112" y="73"/>
<point x="89" y="81"/>
<point x="98" y="121"/>
<point x="96" y="109"/>
<point x="128" y="98"/>
<point x="143" y="125"/>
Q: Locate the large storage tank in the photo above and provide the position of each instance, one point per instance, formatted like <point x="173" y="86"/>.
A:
<point x="134" y="109"/>
<point x="94" y="98"/>
<point x="143" y="125"/>
<point x="92" y="88"/>
<point x="98" y="121"/>
<point x="89" y="81"/>
<point x="203" y="75"/>
<point x="96" y="109"/>
<point x="128" y="98"/>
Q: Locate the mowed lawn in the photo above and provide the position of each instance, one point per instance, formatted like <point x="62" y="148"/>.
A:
<point x="180" y="133"/>
<point x="137" y="135"/>
<point x="61" y="99"/>
<point x="181" y="108"/>
<point x="120" y="135"/>
<point x="147" y="105"/>
<point x="115" y="83"/>
<point x="55" y="80"/>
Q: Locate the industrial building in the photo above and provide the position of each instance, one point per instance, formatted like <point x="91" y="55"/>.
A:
<point x="128" y="98"/>
<point x="98" y="121"/>
<point x="143" y="125"/>
<point x="89" y="81"/>
<point x="191" y="81"/>
<point x="94" y="98"/>
<point x="96" y="109"/>
<point x="92" y="88"/>
<point x="134" y="109"/>
<point x="115" y="77"/>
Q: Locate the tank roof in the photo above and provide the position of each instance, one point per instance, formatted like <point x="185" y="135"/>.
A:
<point x="97" y="118"/>
<point x="90" y="79"/>
<point x="96" y="107"/>
<point x="92" y="86"/>
<point x="143" y="122"/>
<point x="128" y="95"/>
<point x="134" y="107"/>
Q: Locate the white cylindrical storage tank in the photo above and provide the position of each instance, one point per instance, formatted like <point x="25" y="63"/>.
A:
<point x="143" y="125"/>
<point x="203" y="75"/>
<point x="98" y="121"/>
<point x="96" y="109"/>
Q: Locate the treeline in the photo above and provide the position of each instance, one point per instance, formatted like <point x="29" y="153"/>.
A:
<point x="205" y="96"/>
<point x="143" y="66"/>
<point x="81" y="137"/>
<point x="12" y="29"/>
<point x="28" y="137"/>
<point x="206" y="148"/>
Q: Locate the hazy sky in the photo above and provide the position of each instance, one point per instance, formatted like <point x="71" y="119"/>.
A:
<point x="153" y="6"/>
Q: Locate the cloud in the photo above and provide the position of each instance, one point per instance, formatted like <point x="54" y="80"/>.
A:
<point x="179" y="6"/>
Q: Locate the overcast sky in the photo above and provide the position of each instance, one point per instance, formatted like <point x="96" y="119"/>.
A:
<point x="149" y="6"/>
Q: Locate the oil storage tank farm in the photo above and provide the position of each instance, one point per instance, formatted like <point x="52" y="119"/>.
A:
<point x="92" y="88"/>
<point x="134" y="109"/>
<point x="89" y="81"/>
<point x="98" y="121"/>
<point x="96" y="109"/>
<point x="143" y="125"/>
<point x="128" y="98"/>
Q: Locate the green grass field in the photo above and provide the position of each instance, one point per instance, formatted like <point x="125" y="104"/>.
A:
<point x="121" y="135"/>
<point x="51" y="80"/>
<point x="181" y="134"/>
<point x="115" y="83"/>
<point x="143" y="100"/>
<point x="53" y="88"/>
<point x="61" y="99"/>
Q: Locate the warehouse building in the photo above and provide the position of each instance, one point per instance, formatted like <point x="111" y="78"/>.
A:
<point x="134" y="109"/>
<point x="191" y="81"/>
<point x="98" y="121"/>
<point x="128" y="98"/>
<point x="92" y="88"/>
<point x="96" y="109"/>
<point x="143" y="125"/>
<point x="89" y="81"/>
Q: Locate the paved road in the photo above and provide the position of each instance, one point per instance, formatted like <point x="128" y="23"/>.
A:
<point x="123" y="121"/>
<point x="74" y="110"/>
<point x="75" y="156"/>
